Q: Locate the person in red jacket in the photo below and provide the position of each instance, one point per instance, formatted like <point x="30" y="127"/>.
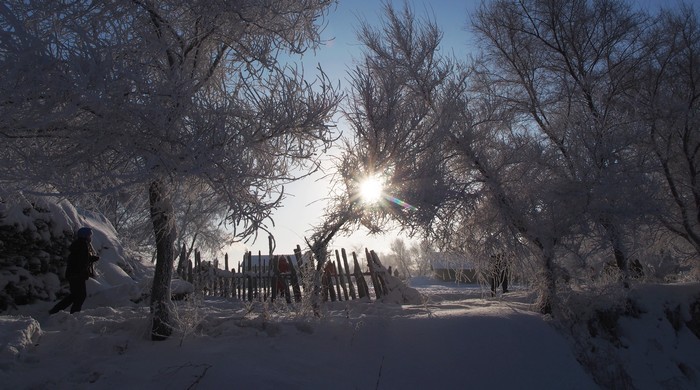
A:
<point x="282" y="286"/>
<point x="79" y="269"/>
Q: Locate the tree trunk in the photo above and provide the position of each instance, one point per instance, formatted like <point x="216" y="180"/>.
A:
<point x="546" y="283"/>
<point x="162" y="217"/>
<point x="618" y="250"/>
<point x="320" y="252"/>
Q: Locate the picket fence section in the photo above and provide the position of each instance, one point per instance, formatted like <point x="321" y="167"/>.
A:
<point x="289" y="277"/>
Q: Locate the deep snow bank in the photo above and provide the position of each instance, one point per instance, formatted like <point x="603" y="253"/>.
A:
<point x="647" y="337"/>
<point x="18" y="333"/>
<point x="35" y="233"/>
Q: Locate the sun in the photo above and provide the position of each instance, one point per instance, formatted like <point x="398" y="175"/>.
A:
<point x="371" y="189"/>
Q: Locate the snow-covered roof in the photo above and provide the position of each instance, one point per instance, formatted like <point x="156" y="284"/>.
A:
<point x="256" y="260"/>
<point x="451" y="260"/>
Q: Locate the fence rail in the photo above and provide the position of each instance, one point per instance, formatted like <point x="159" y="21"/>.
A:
<point x="288" y="277"/>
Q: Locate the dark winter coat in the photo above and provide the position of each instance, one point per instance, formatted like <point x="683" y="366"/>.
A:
<point x="80" y="260"/>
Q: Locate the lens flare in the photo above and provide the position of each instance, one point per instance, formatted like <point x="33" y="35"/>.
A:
<point x="371" y="189"/>
<point x="400" y="203"/>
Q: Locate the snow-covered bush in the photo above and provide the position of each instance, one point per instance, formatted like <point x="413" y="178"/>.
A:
<point x="35" y="233"/>
<point x="34" y="237"/>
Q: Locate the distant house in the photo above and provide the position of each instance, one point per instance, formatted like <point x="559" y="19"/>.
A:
<point x="453" y="267"/>
<point x="257" y="260"/>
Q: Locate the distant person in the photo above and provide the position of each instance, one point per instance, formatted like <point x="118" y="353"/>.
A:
<point x="80" y="267"/>
<point x="283" y="268"/>
<point x="499" y="273"/>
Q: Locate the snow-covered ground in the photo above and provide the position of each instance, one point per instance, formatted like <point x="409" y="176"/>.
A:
<point x="460" y="338"/>
<point x="448" y="342"/>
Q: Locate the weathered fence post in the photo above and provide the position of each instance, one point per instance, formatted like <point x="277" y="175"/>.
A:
<point x="341" y="276"/>
<point x="249" y="277"/>
<point x="337" y="280"/>
<point x="362" y="287"/>
<point x="227" y="280"/>
<point x="190" y="272"/>
<point x="259" y="282"/>
<point x="239" y="280"/>
<point x="295" y="276"/>
<point x="182" y="265"/>
<point x="373" y="275"/>
<point x="198" y="271"/>
<point x="274" y="263"/>
<point x="347" y="273"/>
<point x="379" y="272"/>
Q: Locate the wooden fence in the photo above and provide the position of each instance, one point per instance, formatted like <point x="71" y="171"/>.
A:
<point x="271" y="277"/>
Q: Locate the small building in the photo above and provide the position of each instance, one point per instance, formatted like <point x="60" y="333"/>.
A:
<point x="453" y="267"/>
<point x="258" y="259"/>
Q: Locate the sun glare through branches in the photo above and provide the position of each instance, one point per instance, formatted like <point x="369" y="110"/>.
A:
<point x="371" y="189"/>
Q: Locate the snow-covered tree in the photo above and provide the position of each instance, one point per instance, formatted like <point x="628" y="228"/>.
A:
<point x="199" y="218"/>
<point x="670" y="105"/>
<point x="391" y="130"/>
<point x="569" y="68"/>
<point x="533" y="148"/>
<point x="445" y="146"/>
<point x="403" y="262"/>
<point x="166" y="97"/>
<point x="395" y="91"/>
<point x="421" y="253"/>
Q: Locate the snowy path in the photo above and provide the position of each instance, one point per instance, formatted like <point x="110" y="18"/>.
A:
<point x="461" y="342"/>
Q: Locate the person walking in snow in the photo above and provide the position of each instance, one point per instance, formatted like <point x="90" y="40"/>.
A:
<point x="80" y="264"/>
<point x="499" y="273"/>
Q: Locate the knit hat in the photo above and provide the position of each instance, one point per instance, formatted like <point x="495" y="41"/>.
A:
<point x="84" y="232"/>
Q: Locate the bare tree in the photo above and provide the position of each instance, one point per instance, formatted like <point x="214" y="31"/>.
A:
<point x="570" y="67"/>
<point x="395" y="91"/>
<point x="533" y="145"/>
<point x="403" y="257"/>
<point x="393" y="129"/>
<point x="166" y="96"/>
<point x="670" y="105"/>
<point x="200" y="216"/>
<point x="421" y="253"/>
<point x="447" y="147"/>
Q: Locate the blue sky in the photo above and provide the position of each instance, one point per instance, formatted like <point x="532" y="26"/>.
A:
<point x="305" y="202"/>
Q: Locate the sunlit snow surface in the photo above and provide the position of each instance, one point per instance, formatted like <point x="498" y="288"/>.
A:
<point x="454" y="339"/>
<point x="460" y="337"/>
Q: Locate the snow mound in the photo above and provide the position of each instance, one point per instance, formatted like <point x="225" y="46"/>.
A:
<point x="400" y="293"/>
<point x="181" y="287"/>
<point x="661" y="345"/>
<point x="17" y="334"/>
<point x="395" y="290"/>
<point x="35" y="233"/>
